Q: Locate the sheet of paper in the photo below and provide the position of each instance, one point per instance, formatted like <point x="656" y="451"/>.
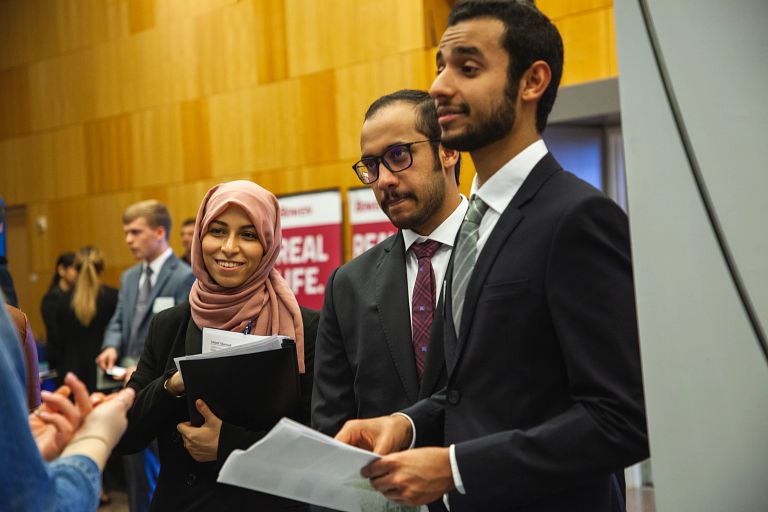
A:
<point x="297" y="462"/>
<point x="217" y="339"/>
<point x="218" y="343"/>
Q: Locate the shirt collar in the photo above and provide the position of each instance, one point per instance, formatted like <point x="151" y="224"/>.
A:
<point x="500" y="188"/>
<point x="158" y="262"/>
<point x="445" y="233"/>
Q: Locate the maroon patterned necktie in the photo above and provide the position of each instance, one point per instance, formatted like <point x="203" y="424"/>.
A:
<point x="423" y="302"/>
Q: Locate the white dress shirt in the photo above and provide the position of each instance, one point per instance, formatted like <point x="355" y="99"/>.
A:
<point x="155" y="265"/>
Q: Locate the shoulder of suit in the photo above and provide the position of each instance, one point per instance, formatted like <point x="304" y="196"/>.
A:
<point x="173" y="315"/>
<point x="370" y="259"/>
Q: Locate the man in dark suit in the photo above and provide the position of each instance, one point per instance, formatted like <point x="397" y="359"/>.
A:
<point x="159" y="281"/>
<point x="371" y="354"/>
<point x="543" y="405"/>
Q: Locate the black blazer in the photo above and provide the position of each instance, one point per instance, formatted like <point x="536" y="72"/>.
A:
<point x="365" y="365"/>
<point x="183" y="483"/>
<point x="544" y="398"/>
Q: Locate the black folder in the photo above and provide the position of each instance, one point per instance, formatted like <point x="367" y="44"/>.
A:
<point x="249" y="390"/>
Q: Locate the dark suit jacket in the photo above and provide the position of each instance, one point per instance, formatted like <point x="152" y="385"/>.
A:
<point x="544" y="398"/>
<point x="365" y="365"/>
<point x="185" y="484"/>
<point x="174" y="280"/>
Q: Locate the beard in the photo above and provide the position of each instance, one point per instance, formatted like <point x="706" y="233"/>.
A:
<point x="487" y="130"/>
<point x="428" y="200"/>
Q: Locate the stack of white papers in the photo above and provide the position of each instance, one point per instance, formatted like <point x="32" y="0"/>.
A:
<point x="218" y="343"/>
<point x="299" y="463"/>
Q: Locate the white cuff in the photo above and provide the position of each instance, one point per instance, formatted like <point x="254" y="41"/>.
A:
<point x="413" y="427"/>
<point x="455" y="470"/>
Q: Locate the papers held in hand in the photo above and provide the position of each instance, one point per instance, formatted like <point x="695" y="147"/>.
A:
<point x="294" y="461"/>
<point x="250" y="381"/>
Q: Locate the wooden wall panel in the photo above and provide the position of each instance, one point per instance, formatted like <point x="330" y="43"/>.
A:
<point x="255" y="129"/>
<point x="357" y="86"/>
<point x="590" y="48"/>
<point x="556" y="9"/>
<point x="109" y="154"/>
<point x="333" y="33"/>
<point x="15" y="117"/>
<point x="196" y="140"/>
<point x="156" y="147"/>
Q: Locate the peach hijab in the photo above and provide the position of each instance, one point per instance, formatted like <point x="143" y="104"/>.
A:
<point x="264" y="298"/>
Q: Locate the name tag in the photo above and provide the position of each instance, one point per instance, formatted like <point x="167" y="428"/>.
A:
<point x="161" y="304"/>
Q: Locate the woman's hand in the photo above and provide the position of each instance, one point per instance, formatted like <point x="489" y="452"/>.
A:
<point x="202" y="443"/>
<point x="175" y="384"/>
<point x="55" y="422"/>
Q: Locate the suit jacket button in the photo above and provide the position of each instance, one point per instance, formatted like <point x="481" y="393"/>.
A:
<point x="191" y="479"/>
<point x="454" y="396"/>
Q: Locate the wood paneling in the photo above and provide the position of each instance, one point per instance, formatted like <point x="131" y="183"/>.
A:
<point x="590" y="46"/>
<point x="14" y="102"/>
<point x="333" y="33"/>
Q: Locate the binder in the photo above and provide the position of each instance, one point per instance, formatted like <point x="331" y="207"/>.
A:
<point x="249" y="390"/>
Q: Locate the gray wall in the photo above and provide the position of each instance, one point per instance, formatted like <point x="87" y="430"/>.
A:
<point x="706" y="376"/>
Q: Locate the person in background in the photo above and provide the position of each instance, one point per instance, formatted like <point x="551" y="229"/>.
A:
<point x="159" y="281"/>
<point x="76" y="438"/>
<point x="234" y="249"/>
<point x="64" y="277"/>
<point x="82" y="317"/>
<point x="187" y="230"/>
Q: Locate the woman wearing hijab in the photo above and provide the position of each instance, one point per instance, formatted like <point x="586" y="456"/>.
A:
<point x="234" y="249"/>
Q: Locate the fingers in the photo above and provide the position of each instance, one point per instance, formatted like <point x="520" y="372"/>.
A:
<point x="82" y="399"/>
<point x="58" y="421"/>
<point x="206" y="412"/>
<point x="57" y="403"/>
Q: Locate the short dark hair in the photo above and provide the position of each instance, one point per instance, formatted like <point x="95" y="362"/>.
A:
<point x="528" y="36"/>
<point x="189" y="221"/>
<point x="426" y="117"/>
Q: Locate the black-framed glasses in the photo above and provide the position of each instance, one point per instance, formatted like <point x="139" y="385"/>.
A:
<point x="396" y="158"/>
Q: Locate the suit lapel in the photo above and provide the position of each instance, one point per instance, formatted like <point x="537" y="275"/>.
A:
<point x="508" y="221"/>
<point x="392" y="303"/>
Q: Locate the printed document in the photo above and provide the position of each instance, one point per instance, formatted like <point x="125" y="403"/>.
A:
<point x="218" y="343"/>
<point x="299" y="463"/>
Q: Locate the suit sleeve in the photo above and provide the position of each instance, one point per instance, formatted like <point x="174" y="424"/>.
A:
<point x="113" y="335"/>
<point x="154" y="408"/>
<point x="333" y="397"/>
<point x="182" y="291"/>
<point x="590" y="295"/>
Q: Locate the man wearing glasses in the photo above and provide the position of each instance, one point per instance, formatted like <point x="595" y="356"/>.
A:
<point x="372" y="354"/>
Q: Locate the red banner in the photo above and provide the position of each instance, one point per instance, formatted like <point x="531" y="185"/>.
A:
<point x="368" y="223"/>
<point x="311" y="246"/>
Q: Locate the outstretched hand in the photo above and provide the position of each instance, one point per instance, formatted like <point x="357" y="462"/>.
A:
<point x="55" y="422"/>
<point x="202" y="442"/>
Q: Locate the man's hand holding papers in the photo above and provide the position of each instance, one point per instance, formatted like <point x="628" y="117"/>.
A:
<point x="411" y="477"/>
<point x="297" y="462"/>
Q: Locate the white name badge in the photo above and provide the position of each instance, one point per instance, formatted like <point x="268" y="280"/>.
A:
<point x="162" y="303"/>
